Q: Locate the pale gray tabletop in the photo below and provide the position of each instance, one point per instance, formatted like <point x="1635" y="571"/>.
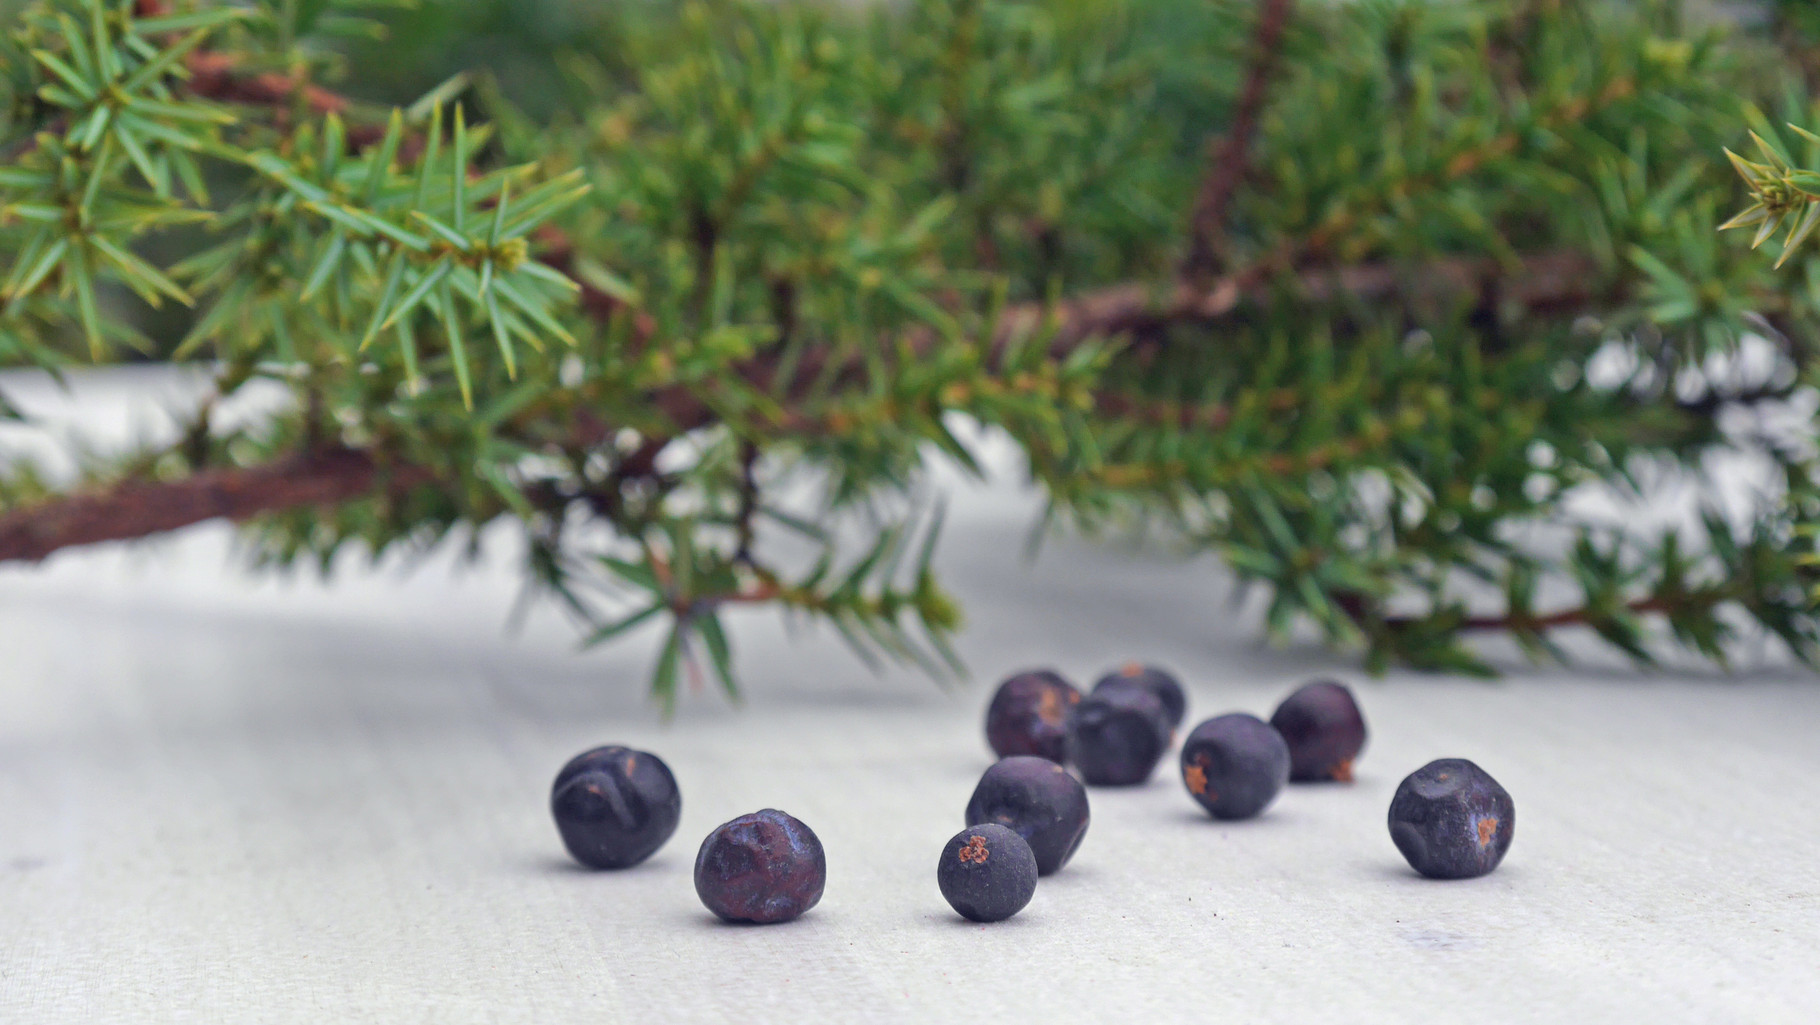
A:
<point x="226" y="797"/>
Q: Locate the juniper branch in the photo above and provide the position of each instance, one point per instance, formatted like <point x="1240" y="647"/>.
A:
<point x="135" y="508"/>
<point x="1228" y="162"/>
<point x="821" y="234"/>
<point x="1548" y="283"/>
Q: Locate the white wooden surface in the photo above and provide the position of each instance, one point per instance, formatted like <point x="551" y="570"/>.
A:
<point x="227" y="798"/>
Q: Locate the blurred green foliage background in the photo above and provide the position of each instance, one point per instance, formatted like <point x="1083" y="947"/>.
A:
<point x="545" y="56"/>
<point x="527" y="49"/>
<point x="1474" y="268"/>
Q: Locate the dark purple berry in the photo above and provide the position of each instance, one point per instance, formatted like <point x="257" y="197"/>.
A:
<point x="987" y="872"/>
<point x="1325" y="732"/>
<point x="1157" y="681"/>
<point x="764" y="867"/>
<point x="1451" y="820"/>
<point x="1039" y="801"/>
<point x="1117" y="736"/>
<point x="615" y="806"/>
<point x="1235" y="765"/>
<point x="1029" y="715"/>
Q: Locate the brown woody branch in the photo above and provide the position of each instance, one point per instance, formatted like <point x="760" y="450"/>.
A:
<point x="1547" y="283"/>
<point x="1230" y="155"/>
<point x="139" y="508"/>
<point x="1552" y="621"/>
<point x="1550" y="282"/>
<point x="135" y="508"/>
<point x="215" y="76"/>
<point x="1361" y="610"/>
<point x="748" y="501"/>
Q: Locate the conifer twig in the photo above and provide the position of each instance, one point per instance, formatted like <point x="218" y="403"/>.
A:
<point x="1230" y="156"/>
<point x="1549" y="282"/>
<point x="1578" y="616"/>
<point x="214" y="76"/>
<point x="803" y="242"/>
<point x="135" y="508"/>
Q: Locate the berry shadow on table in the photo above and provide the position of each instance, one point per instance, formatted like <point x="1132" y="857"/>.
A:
<point x="559" y="866"/>
<point x="1393" y="869"/>
<point x="708" y="921"/>
<point x="948" y="921"/>
<point x="1271" y="818"/>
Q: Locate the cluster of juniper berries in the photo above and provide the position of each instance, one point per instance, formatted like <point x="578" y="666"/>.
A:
<point x="615" y="807"/>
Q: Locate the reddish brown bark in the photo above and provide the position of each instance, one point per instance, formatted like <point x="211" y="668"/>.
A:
<point x="138" y="508"/>
<point x="1546" y="283"/>
<point x="1553" y="620"/>
<point x="215" y="76"/>
<point x="1231" y="157"/>
<point x="135" y="509"/>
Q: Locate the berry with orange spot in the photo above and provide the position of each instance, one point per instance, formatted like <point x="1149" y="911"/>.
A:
<point x="1029" y="715"/>
<point x="1324" y="729"/>
<point x="1234" y="765"/>
<point x="987" y="872"/>
<point x="1451" y="820"/>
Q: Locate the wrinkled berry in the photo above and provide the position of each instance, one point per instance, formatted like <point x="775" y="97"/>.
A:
<point x="987" y="872"/>
<point x="1029" y="715"/>
<point x="615" y="806"/>
<point x="1235" y="765"/>
<point x="1160" y="682"/>
<point x="764" y="867"/>
<point x="1324" y="729"/>
<point x="1117" y="736"/>
<point x="1451" y="820"/>
<point x="1039" y="801"/>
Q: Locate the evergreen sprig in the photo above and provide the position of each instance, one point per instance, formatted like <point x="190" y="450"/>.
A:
<point x="122" y="152"/>
<point x="1372" y="300"/>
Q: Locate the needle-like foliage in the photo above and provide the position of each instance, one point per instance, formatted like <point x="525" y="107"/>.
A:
<point x="1379" y="301"/>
